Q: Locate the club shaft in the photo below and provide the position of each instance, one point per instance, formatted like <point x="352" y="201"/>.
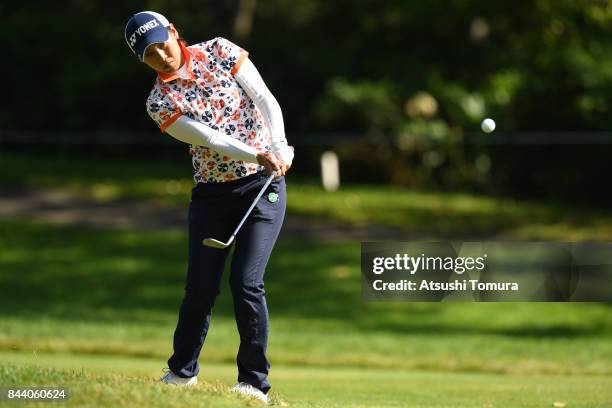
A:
<point x="254" y="203"/>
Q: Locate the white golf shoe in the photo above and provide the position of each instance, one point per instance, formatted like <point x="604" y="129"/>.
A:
<point x="171" y="378"/>
<point x="249" y="390"/>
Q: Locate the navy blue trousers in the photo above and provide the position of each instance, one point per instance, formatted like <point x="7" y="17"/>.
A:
<point x="215" y="211"/>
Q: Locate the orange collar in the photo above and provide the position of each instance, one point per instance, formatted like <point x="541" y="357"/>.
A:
<point x="187" y="55"/>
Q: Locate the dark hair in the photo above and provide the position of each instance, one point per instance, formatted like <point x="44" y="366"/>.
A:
<point x="182" y="41"/>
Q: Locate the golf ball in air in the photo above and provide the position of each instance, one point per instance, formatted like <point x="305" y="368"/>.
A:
<point x="487" y="125"/>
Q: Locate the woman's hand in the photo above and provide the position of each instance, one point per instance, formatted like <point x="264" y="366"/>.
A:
<point x="272" y="163"/>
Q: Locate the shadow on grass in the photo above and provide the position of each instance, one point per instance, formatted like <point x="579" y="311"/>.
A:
<point x="442" y="213"/>
<point x="449" y="214"/>
<point x="91" y="274"/>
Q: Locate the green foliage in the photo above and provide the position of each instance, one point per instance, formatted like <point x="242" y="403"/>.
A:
<point x="364" y="104"/>
<point x="480" y="56"/>
<point x="342" y="66"/>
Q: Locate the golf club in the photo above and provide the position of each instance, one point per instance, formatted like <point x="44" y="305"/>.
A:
<point x="215" y="243"/>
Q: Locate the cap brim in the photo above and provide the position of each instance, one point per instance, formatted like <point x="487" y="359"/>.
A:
<point x="153" y="37"/>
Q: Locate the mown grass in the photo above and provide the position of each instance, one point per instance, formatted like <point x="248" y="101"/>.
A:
<point x="441" y="213"/>
<point x="99" y="291"/>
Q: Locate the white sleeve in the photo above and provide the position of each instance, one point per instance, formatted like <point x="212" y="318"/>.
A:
<point x="193" y="132"/>
<point x="250" y="80"/>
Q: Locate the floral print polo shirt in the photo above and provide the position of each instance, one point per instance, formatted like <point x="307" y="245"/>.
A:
<point x="213" y="97"/>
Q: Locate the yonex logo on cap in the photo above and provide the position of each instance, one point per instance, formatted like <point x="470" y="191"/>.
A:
<point x="143" y="29"/>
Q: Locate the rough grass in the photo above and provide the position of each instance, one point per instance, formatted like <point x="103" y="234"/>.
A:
<point x="87" y="387"/>
<point x="131" y="382"/>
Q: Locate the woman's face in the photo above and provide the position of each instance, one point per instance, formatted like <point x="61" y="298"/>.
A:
<point x="165" y="57"/>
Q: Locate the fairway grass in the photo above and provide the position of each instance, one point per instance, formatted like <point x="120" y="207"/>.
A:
<point x="95" y="291"/>
<point x="114" y="381"/>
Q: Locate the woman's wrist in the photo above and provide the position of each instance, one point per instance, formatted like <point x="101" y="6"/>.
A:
<point x="272" y="163"/>
<point x="262" y="158"/>
<point x="285" y="154"/>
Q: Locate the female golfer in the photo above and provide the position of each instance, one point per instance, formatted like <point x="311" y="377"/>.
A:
<point x="211" y="96"/>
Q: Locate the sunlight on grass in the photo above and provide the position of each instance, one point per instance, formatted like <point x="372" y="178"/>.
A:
<point x="129" y="382"/>
<point x="118" y="292"/>
<point x="169" y="184"/>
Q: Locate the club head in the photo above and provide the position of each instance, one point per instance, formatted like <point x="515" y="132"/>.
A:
<point x="215" y="243"/>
